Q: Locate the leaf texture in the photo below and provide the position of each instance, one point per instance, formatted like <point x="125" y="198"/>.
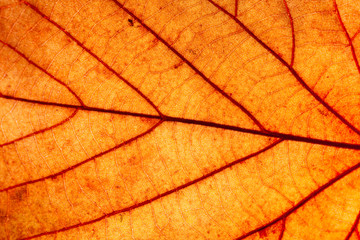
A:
<point x="196" y="119"/>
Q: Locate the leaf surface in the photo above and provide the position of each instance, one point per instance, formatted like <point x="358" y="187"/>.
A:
<point x="179" y="119"/>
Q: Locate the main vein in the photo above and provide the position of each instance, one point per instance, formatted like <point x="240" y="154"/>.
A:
<point x="166" y="118"/>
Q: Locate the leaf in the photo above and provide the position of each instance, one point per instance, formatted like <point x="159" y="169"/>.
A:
<point x="196" y="119"/>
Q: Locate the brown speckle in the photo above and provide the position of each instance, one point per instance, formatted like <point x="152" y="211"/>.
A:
<point x="18" y="194"/>
<point x="131" y="22"/>
<point x="178" y="65"/>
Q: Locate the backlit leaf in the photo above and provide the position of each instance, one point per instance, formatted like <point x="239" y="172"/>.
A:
<point x="196" y="119"/>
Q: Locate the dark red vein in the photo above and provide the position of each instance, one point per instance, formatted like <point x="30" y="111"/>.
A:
<point x="40" y="131"/>
<point x="236" y="7"/>
<point x="85" y="108"/>
<point x="201" y="123"/>
<point x="192" y="66"/>
<point x="268" y="134"/>
<point x="347" y="36"/>
<point x="291" y="69"/>
<point x="303" y="201"/>
<point x="353" y="227"/>
<point x="160" y="195"/>
<point x="292" y="33"/>
<point x="355" y="35"/>
<point x="44" y="71"/>
<point x="94" y="56"/>
<point x="281" y="235"/>
<point x="85" y="161"/>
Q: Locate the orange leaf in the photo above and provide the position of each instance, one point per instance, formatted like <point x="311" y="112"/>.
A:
<point x="182" y="119"/>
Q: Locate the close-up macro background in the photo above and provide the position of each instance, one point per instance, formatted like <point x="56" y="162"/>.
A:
<point x="180" y="119"/>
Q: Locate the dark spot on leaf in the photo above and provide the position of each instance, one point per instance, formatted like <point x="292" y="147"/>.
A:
<point x="131" y="22"/>
<point x="3" y="217"/>
<point x="178" y="65"/>
<point x="192" y="51"/>
<point x="18" y="194"/>
<point x="146" y="120"/>
<point x="133" y="161"/>
<point x="91" y="184"/>
<point x="323" y="112"/>
<point x="263" y="233"/>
